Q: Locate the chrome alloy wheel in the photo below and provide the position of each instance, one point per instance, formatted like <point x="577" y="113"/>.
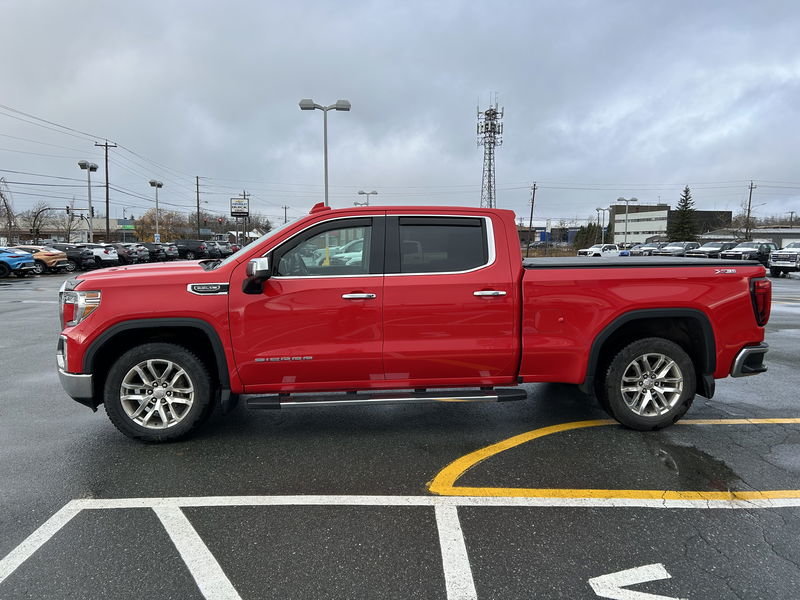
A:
<point x="651" y="385"/>
<point x="156" y="393"/>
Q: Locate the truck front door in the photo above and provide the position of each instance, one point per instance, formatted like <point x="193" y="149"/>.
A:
<point x="318" y="322"/>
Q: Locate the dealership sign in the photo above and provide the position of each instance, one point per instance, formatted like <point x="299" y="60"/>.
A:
<point x="240" y="207"/>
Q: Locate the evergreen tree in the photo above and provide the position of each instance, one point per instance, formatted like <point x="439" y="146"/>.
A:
<point x="682" y="226"/>
<point x="587" y="236"/>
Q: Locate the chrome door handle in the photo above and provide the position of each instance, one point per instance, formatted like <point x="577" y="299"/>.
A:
<point x="358" y="296"/>
<point x="489" y="293"/>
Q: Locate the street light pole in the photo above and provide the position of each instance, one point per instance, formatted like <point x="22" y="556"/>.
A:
<point x="156" y="184"/>
<point x="85" y="165"/>
<point x="626" y="200"/>
<point x="602" y="223"/>
<point x="367" y="194"/>
<point x="309" y="104"/>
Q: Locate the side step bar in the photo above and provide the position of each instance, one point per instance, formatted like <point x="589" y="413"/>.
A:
<point x="381" y="398"/>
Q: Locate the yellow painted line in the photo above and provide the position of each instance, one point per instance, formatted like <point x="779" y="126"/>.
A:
<point x="444" y="484"/>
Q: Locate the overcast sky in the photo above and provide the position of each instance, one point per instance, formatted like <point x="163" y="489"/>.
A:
<point x="602" y="99"/>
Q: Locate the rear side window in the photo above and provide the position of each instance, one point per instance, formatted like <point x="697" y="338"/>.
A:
<point x="442" y="244"/>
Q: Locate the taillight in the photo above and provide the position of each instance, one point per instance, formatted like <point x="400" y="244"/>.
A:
<point x="106" y="251"/>
<point x="202" y="246"/>
<point x="761" y="293"/>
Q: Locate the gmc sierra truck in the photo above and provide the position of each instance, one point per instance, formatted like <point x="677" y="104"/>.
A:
<point x="434" y="299"/>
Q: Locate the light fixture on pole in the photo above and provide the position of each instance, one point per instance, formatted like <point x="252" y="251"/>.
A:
<point x="602" y="223"/>
<point x="89" y="167"/>
<point x="309" y="104"/>
<point x="156" y="184"/>
<point x="626" y="201"/>
<point x="367" y="194"/>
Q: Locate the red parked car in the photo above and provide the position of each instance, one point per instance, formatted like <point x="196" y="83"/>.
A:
<point x="438" y="298"/>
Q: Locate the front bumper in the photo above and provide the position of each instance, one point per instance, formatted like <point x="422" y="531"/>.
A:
<point x="750" y="361"/>
<point x="79" y="386"/>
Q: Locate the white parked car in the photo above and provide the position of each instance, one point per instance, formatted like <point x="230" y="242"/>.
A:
<point x="104" y="256"/>
<point x="600" y="250"/>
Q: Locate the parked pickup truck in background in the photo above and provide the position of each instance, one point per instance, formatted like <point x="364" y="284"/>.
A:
<point x="785" y="260"/>
<point x="440" y="299"/>
<point x="600" y="250"/>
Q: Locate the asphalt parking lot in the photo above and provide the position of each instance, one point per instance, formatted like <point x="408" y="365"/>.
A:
<point x="535" y="499"/>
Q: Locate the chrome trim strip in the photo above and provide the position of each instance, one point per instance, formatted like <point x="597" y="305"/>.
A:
<point x="490" y="240"/>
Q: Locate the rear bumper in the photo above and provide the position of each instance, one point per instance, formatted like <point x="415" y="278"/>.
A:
<point x="24" y="267"/>
<point x="750" y="361"/>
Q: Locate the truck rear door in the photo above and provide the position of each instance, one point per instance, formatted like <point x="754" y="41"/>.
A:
<point x="450" y="303"/>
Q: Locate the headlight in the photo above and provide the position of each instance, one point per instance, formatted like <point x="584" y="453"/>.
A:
<point x="76" y="305"/>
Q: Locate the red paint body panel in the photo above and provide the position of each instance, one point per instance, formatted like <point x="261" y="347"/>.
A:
<point x="421" y="330"/>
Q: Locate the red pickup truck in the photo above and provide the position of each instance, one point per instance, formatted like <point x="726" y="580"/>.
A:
<point x="356" y="302"/>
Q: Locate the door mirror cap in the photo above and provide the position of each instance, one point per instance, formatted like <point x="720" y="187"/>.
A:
<point x="258" y="268"/>
<point x="257" y="273"/>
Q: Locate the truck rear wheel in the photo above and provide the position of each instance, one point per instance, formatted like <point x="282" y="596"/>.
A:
<point x="649" y="384"/>
<point x="157" y="392"/>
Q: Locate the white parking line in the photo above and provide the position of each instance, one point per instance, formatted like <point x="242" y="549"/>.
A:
<point x="457" y="572"/>
<point x="205" y="569"/>
<point x="214" y="584"/>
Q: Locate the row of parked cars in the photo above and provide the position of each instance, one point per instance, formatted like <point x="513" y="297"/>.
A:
<point x="779" y="262"/>
<point x="27" y="259"/>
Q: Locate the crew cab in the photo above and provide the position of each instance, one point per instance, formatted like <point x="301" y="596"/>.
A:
<point x="785" y="260"/>
<point x="439" y="300"/>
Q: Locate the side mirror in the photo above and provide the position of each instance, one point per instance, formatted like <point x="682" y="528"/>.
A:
<point x="258" y="271"/>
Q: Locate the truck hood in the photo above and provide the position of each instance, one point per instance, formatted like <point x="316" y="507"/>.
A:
<point x="184" y="269"/>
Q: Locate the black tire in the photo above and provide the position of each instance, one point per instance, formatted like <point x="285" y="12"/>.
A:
<point x="39" y="267"/>
<point x="774" y="272"/>
<point x="190" y="255"/>
<point x="71" y="266"/>
<point x="663" y="407"/>
<point x="5" y="271"/>
<point x="196" y="376"/>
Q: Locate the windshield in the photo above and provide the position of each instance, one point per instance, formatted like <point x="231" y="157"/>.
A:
<point x="675" y="245"/>
<point x="263" y="238"/>
<point x="792" y="245"/>
<point x="712" y="246"/>
<point x="596" y="246"/>
<point x="748" y="245"/>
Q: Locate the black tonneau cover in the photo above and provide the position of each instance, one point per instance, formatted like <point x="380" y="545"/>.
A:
<point x="605" y="262"/>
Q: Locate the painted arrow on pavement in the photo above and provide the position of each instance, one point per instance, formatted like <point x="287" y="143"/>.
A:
<point x="611" y="585"/>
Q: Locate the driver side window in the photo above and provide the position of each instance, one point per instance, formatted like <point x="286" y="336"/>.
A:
<point x="341" y="251"/>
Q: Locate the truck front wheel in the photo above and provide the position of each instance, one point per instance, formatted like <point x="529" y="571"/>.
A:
<point x="157" y="392"/>
<point x="649" y="384"/>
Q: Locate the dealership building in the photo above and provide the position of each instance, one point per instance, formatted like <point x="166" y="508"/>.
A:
<point x="649" y="222"/>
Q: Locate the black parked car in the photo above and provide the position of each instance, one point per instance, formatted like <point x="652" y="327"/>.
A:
<point x="157" y="252"/>
<point x="77" y="257"/>
<point x="191" y="249"/>
<point x="126" y="255"/>
<point x="710" y="249"/>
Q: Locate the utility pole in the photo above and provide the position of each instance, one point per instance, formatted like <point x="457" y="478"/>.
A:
<point x="106" y="146"/>
<point x="791" y="218"/>
<point x="285" y="218"/>
<point x="197" y="193"/>
<point x="747" y="226"/>
<point x="530" y="223"/>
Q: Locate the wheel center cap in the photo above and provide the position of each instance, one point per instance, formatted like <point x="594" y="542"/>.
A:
<point x="159" y="393"/>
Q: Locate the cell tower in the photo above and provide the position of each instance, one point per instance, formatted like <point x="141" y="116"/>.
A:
<point x="490" y="134"/>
